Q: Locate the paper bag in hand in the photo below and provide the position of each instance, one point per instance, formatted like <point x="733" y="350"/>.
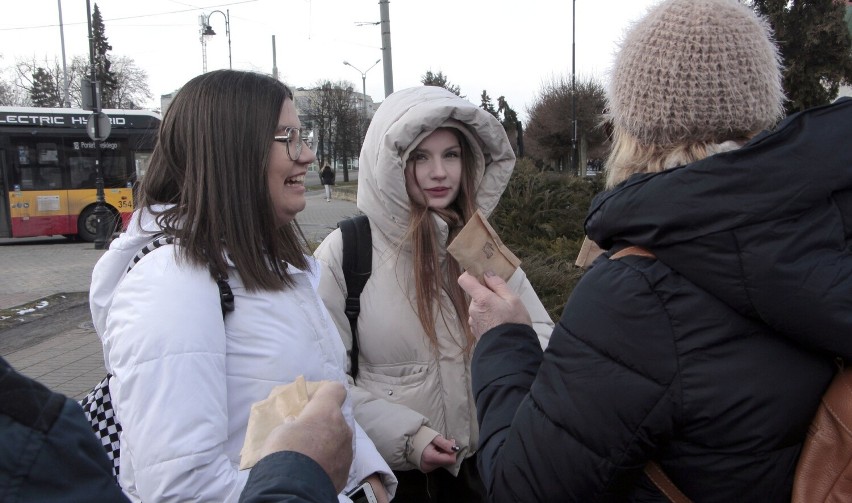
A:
<point x="266" y="415"/>
<point x="478" y="249"/>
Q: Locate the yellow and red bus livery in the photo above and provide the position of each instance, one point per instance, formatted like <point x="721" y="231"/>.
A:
<point x="48" y="175"/>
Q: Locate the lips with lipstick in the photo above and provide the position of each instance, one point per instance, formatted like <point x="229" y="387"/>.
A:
<point x="437" y="191"/>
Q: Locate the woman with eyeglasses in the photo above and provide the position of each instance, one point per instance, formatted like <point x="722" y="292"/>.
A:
<point x="225" y="308"/>
<point x="430" y="159"/>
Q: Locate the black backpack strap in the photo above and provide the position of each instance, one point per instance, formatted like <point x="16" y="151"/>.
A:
<point x="357" y="266"/>
<point x="226" y="296"/>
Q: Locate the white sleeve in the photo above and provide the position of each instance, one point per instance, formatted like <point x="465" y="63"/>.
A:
<point x="166" y="341"/>
<point x="541" y="322"/>
<point x="368" y="461"/>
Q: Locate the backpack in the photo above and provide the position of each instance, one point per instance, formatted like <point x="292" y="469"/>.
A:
<point x="357" y="266"/>
<point x="97" y="404"/>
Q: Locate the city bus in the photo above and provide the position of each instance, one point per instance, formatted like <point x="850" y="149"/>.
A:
<point x="47" y="169"/>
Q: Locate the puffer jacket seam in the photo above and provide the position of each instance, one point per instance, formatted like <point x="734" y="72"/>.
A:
<point x="743" y="274"/>
<point x="626" y="263"/>
<point x="674" y="385"/>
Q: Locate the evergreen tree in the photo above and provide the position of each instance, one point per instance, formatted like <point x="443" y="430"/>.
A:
<point x="512" y="126"/>
<point x="815" y="45"/>
<point x="440" y="80"/>
<point x="44" y="92"/>
<point x="487" y="105"/>
<point x="103" y="71"/>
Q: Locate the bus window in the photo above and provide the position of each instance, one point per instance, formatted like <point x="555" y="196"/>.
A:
<point x="82" y="172"/>
<point x="114" y="164"/>
<point x="81" y="162"/>
<point x="141" y="159"/>
<point x="36" y="172"/>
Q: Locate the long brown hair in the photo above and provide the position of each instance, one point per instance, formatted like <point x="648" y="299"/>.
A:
<point x="210" y="165"/>
<point x="429" y="280"/>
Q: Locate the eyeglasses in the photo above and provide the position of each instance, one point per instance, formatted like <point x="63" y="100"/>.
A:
<point x="293" y="138"/>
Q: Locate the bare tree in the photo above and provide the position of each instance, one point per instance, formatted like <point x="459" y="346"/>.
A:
<point x="39" y="81"/>
<point x="10" y="93"/>
<point x="550" y="127"/>
<point x="330" y="109"/>
<point x="131" y="84"/>
<point x="130" y="92"/>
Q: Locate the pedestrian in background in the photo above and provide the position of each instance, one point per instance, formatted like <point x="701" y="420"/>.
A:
<point x="186" y="363"/>
<point x="694" y="350"/>
<point x="327" y="179"/>
<point x="429" y="160"/>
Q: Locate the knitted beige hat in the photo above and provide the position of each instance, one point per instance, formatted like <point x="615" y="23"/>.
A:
<point x="696" y="71"/>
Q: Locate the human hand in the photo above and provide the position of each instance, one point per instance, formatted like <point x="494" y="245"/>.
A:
<point x="492" y="304"/>
<point x="438" y="453"/>
<point x="320" y="432"/>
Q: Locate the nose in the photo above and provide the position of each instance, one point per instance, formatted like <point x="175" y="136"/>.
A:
<point x="307" y="155"/>
<point x="438" y="172"/>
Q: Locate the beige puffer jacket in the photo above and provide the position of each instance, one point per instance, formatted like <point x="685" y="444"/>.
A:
<point x="407" y="392"/>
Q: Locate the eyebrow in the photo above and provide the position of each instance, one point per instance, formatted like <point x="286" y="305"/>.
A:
<point x="420" y="150"/>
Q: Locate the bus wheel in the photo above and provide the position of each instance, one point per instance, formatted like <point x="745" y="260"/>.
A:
<point x="87" y="224"/>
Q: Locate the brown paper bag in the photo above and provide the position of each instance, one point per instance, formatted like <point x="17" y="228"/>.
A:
<point x="478" y="249"/>
<point x="266" y="415"/>
<point x="589" y="251"/>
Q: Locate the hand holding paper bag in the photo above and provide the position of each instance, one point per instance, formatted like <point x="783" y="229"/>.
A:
<point x="478" y="249"/>
<point x="304" y="417"/>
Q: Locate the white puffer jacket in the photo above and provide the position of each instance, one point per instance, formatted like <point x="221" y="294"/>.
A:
<point x="407" y="392"/>
<point x="185" y="379"/>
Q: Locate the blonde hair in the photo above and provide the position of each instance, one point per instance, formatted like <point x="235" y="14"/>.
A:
<point x="429" y="280"/>
<point x="628" y="156"/>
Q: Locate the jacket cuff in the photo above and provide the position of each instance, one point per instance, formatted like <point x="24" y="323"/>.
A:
<point x="419" y="441"/>
<point x="287" y="476"/>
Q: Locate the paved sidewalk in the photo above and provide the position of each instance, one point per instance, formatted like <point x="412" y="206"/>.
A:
<point x="71" y="361"/>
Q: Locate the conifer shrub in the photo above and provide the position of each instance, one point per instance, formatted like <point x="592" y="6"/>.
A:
<point x="540" y="218"/>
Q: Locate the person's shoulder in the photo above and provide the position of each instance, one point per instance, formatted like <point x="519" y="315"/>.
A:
<point x="630" y="280"/>
<point x="330" y="250"/>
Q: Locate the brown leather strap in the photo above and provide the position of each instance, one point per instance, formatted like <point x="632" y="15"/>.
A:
<point x="633" y="250"/>
<point x="664" y="483"/>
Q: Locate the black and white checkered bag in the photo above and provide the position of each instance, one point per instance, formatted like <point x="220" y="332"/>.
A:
<point x="97" y="406"/>
<point x="98" y="403"/>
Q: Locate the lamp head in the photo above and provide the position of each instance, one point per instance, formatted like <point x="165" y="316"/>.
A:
<point x="208" y="30"/>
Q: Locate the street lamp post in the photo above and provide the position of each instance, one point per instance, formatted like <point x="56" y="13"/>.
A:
<point x="208" y="30"/>
<point x="101" y="212"/>
<point x="574" y="157"/>
<point x="363" y="85"/>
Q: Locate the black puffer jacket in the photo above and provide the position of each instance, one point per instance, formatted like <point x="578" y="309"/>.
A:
<point x="644" y="364"/>
<point x="766" y="228"/>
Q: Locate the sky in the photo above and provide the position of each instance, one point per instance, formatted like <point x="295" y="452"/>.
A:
<point x="509" y="48"/>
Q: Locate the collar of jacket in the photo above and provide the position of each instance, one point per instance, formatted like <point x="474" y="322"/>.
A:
<point x="767" y="179"/>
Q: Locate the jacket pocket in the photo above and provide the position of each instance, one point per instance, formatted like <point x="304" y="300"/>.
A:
<point x="395" y="383"/>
